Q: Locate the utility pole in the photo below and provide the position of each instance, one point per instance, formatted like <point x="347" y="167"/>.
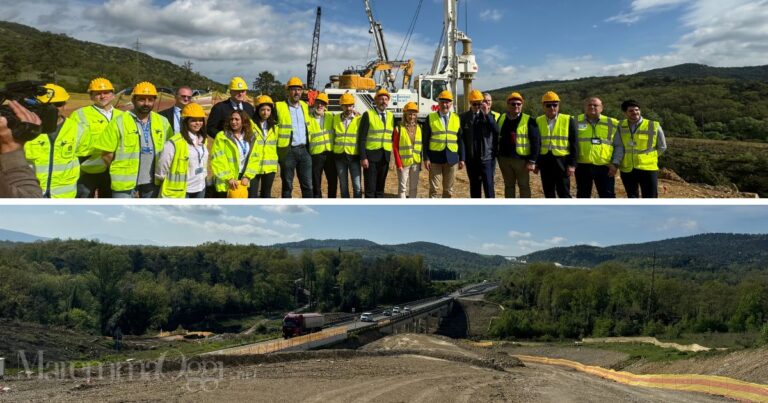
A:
<point x="650" y="291"/>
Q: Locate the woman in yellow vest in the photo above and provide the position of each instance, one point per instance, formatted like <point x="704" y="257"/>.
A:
<point x="262" y="164"/>
<point x="54" y="156"/>
<point x="230" y="152"/>
<point x="407" y="149"/>
<point x="182" y="168"/>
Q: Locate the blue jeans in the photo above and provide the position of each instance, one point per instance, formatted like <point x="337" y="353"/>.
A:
<point x="196" y="195"/>
<point x="346" y="166"/>
<point x="145" y="191"/>
<point x="295" y="159"/>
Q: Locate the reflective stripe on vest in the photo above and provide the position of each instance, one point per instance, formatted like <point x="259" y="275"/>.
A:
<point x="225" y="161"/>
<point x="557" y="141"/>
<point x="522" y="142"/>
<point x="442" y="137"/>
<point x="95" y="123"/>
<point x="124" y="169"/>
<point x="409" y="153"/>
<point x="379" y="133"/>
<point x="596" y="142"/>
<point x="284" y="126"/>
<point x="175" y="184"/>
<point x="320" y="139"/>
<point x="263" y="158"/>
<point x="640" y="146"/>
<point x="63" y="170"/>
<point x="345" y="139"/>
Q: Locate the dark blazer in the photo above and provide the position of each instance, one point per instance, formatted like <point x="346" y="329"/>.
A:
<point x="362" y="137"/>
<point x="168" y="113"/>
<point x="481" y="138"/>
<point x="220" y="112"/>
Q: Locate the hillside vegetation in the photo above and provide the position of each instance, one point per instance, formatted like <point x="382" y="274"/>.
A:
<point x="705" y="252"/>
<point x="27" y="53"/>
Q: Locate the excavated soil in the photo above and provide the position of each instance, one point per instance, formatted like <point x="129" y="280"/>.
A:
<point x="401" y="368"/>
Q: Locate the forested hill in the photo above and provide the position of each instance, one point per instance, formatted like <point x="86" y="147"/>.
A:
<point x="27" y="53"/>
<point x="437" y="256"/>
<point x="699" y="252"/>
<point x="690" y="100"/>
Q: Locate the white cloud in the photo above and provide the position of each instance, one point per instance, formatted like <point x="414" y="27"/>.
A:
<point x="120" y="218"/>
<point x="639" y="8"/>
<point x="285" y="224"/>
<point x="517" y="234"/>
<point x="594" y="243"/>
<point x="677" y="224"/>
<point x="494" y="248"/>
<point x="253" y="220"/>
<point x="491" y="15"/>
<point x="96" y="213"/>
<point x="289" y="209"/>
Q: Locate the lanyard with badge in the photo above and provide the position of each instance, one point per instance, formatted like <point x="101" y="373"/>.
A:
<point x="243" y="146"/>
<point x="146" y="149"/>
<point x="200" y="155"/>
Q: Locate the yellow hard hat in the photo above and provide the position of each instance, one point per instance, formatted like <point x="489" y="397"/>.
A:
<point x="192" y="110"/>
<point x="410" y="107"/>
<point x="382" y="91"/>
<point x="100" y="84"/>
<point x="145" y="88"/>
<point x="54" y="94"/>
<point x="322" y="97"/>
<point x="263" y="99"/>
<point x="475" y="96"/>
<point x="515" y="95"/>
<point x="550" y="96"/>
<point x="347" y="99"/>
<point x="445" y="95"/>
<point x="240" y="193"/>
<point x="294" y="82"/>
<point x="237" y="84"/>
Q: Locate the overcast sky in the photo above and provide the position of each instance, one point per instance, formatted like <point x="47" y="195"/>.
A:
<point x="504" y="230"/>
<point x="515" y="41"/>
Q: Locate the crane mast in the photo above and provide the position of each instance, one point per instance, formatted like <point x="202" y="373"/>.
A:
<point x="312" y="65"/>
<point x="378" y="37"/>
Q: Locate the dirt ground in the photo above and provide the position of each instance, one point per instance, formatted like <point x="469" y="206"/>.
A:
<point x="402" y="368"/>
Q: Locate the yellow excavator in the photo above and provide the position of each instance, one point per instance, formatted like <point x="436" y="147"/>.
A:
<point x="363" y="79"/>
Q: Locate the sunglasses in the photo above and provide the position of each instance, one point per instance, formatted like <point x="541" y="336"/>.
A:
<point x="477" y="104"/>
<point x="185" y="96"/>
<point x="551" y="105"/>
<point x="515" y="103"/>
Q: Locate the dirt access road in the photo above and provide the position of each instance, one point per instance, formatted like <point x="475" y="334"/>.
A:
<point x="401" y="368"/>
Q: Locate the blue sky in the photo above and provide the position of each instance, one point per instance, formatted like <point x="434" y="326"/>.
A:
<point x="515" y="41"/>
<point x="504" y="230"/>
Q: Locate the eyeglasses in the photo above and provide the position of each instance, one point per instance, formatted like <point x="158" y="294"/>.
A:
<point x="185" y="96"/>
<point x="477" y="104"/>
<point x="551" y="105"/>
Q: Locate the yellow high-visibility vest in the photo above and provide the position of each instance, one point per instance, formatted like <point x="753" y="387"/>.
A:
<point x="409" y="153"/>
<point x="444" y="137"/>
<point x="345" y="139"/>
<point x="557" y="140"/>
<point x="379" y="133"/>
<point x="640" y="146"/>
<point x="284" y="126"/>
<point x="596" y="142"/>
<point x="522" y="142"/>
<point x="56" y="165"/>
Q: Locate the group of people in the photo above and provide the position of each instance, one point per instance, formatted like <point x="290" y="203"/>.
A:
<point x="100" y="151"/>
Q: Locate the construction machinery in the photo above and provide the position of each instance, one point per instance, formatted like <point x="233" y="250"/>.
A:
<point x="448" y="67"/>
<point x="312" y="65"/>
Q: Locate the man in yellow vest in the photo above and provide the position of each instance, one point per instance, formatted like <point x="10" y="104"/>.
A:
<point x="292" y="143"/>
<point x="638" y="146"/>
<point x="557" y="160"/>
<point x="374" y="143"/>
<point x="94" y="175"/>
<point x="345" y="147"/>
<point x="519" y="145"/>
<point x="132" y="143"/>
<point x="321" y="147"/>
<point x="596" y="133"/>
<point x="54" y="155"/>
<point x="445" y="147"/>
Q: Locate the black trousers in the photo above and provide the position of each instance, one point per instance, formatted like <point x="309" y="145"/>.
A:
<point x="554" y="176"/>
<point x="89" y="184"/>
<point x="587" y="174"/>
<point x="637" y="182"/>
<point x="324" y="163"/>
<point x="261" y="186"/>
<point x="480" y="175"/>
<point x="375" y="177"/>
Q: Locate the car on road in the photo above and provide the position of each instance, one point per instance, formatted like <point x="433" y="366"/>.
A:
<point x="406" y="309"/>
<point x="366" y="317"/>
<point x="395" y="310"/>
<point x="387" y="312"/>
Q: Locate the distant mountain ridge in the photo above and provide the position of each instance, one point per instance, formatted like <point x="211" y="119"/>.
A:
<point x="713" y="251"/>
<point x="436" y="255"/>
<point x="15" y="236"/>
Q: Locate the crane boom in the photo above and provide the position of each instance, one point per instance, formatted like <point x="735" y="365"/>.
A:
<point x="312" y="65"/>
<point x="378" y="37"/>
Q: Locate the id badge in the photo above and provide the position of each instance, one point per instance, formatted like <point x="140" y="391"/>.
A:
<point x="631" y="144"/>
<point x="146" y="150"/>
<point x="582" y="126"/>
<point x="199" y="171"/>
<point x="596" y="141"/>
